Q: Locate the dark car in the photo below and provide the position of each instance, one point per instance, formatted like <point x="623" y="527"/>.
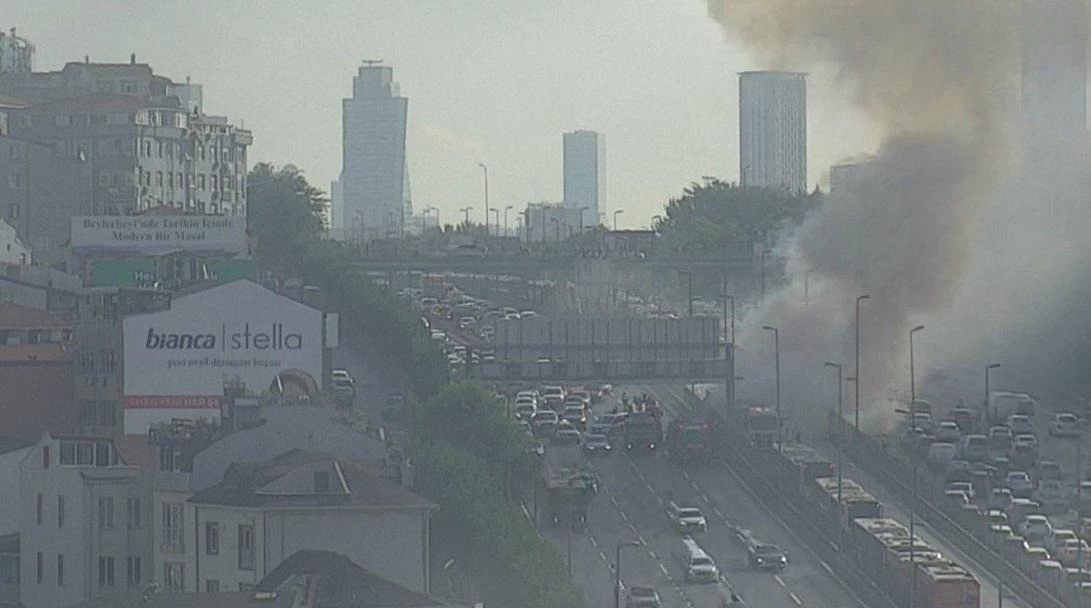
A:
<point x="766" y="556"/>
<point x="642" y="596"/>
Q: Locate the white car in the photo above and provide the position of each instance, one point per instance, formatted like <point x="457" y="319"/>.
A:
<point x="948" y="431"/>
<point x="1035" y="527"/>
<point x="1020" y="424"/>
<point x="342" y="375"/>
<point x="1058" y="537"/>
<point x="965" y="487"/>
<point x="525" y="409"/>
<point x="1026" y="439"/>
<point x="1064" y="425"/>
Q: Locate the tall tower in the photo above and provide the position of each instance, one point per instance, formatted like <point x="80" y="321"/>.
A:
<point x="773" y="130"/>
<point x="1054" y="74"/>
<point x="374" y="177"/>
<point x="585" y="174"/>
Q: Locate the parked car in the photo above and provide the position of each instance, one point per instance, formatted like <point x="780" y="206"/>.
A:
<point x="1064" y="425"/>
<point x="545" y="421"/>
<point x="1047" y="469"/>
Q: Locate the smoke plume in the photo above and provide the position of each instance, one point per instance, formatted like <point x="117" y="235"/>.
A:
<point x="933" y="75"/>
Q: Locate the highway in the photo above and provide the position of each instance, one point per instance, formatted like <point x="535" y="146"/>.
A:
<point x="632" y="506"/>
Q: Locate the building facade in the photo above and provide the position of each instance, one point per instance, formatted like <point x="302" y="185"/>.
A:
<point x="38" y="192"/>
<point x="374" y="175"/>
<point x="82" y="522"/>
<point x="585" y="174"/>
<point x="12" y="248"/>
<point x="1054" y="75"/>
<point x="549" y="223"/>
<point x="773" y="130"/>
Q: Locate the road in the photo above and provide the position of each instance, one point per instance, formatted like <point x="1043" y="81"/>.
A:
<point x="632" y="506"/>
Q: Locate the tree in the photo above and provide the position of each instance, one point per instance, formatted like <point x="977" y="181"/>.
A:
<point x="285" y="212"/>
<point x="718" y="218"/>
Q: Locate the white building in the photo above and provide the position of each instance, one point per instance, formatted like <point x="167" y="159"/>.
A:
<point x="1054" y="74"/>
<point x="82" y="522"/>
<point x="12" y="453"/>
<point x="374" y="175"/>
<point x="585" y="174"/>
<point x="773" y="130"/>
<point x="549" y="223"/>
<point x="12" y="249"/>
<point x="262" y="513"/>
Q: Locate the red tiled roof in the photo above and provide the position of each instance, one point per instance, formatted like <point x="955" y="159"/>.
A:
<point x="33" y="352"/>
<point x="136" y="451"/>
<point x="14" y="316"/>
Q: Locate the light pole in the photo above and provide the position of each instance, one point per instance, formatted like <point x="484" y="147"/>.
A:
<point x="617" y="212"/>
<point x="436" y="211"/>
<point x="730" y="350"/>
<point x="617" y="569"/>
<point x="495" y="214"/>
<point x="913" y="458"/>
<point x="579" y="217"/>
<point x="689" y="288"/>
<point x="466" y="211"/>
<point x="988" y="368"/>
<point x="840" y="428"/>
<point x="506" y="209"/>
<point x="486" y="170"/>
<point x="912" y="378"/>
<point x="780" y="421"/>
<point x="856" y="387"/>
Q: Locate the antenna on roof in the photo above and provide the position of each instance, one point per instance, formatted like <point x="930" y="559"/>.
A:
<point x="371" y="62"/>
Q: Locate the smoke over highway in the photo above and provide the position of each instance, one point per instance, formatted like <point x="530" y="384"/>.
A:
<point x="936" y="77"/>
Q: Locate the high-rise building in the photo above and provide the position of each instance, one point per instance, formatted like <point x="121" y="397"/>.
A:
<point x="336" y="210"/>
<point x="773" y="130"/>
<point x="1054" y="73"/>
<point x="585" y="174"/>
<point x="374" y="176"/>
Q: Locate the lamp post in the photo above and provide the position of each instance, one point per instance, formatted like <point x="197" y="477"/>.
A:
<point x="856" y="371"/>
<point x="840" y="429"/>
<point x="689" y="288"/>
<point x="466" y="211"/>
<point x="780" y="421"/>
<point x="617" y="212"/>
<point x="730" y="350"/>
<point x="506" y="209"/>
<point x="988" y="368"/>
<point x="486" y="171"/>
<point x="913" y="459"/>
<point x="496" y="214"/>
<point x="912" y="377"/>
<point x="617" y="569"/>
<point x="579" y="217"/>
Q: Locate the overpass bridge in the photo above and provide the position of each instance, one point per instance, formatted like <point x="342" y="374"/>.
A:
<point x="535" y="266"/>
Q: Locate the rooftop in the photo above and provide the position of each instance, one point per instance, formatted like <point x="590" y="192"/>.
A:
<point x="97" y="102"/>
<point x="33" y="352"/>
<point x="14" y="316"/>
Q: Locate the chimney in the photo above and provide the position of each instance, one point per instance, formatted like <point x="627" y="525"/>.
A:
<point x="132" y="59"/>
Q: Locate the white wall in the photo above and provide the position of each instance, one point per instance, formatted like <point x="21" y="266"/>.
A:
<point x="9" y="490"/>
<point x="12" y="250"/>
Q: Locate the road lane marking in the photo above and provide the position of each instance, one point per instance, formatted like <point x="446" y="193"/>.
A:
<point x="795" y="598"/>
<point x="613" y="501"/>
<point x="632" y="527"/>
<point x="664" y="569"/>
<point x="654" y="556"/>
<point x="779" y="580"/>
<point x="685" y="474"/>
<point x="623" y="515"/>
<point x="593" y="541"/>
<point x="718" y="513"/>
<point x="650" y="488"/>
<point x="602" y="554"/>
<point x="703" y="497"/>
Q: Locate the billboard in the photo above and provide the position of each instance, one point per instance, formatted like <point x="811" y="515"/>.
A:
<point x="177" y="362"/>
<point x="144" y="273"/>
<point x="154" y="234"/>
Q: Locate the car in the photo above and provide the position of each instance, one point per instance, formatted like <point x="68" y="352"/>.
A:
<point x="996" y="518"/>
<point x="527" y="314"/>
<point x="1064" y="424"/>
<point x="616" y="422"/>
<point x="487" y="332"/>
<point x="567" y="435"/>
<point x="1000" y="498"/>
<point x="576" y="415"/>
<point x="958" y="470"/>
<point x="1058" y="537"/>
<point x="957" y="497"/>
<point x="467" y="323"/>
<point x="1035" y="527"/>
<point x="597" y="443"/>
<point x="1000" y="438"/>
<point x="545" y="421"/>
<point x="342" y="375"/>
<point x="924" y="421"/>
<point x="948" y="431"/>
<point x="766" y="556"/>
<point x="1020" y="424"/>
<point x="965" y="418"/>
<point x="940" y="454"/>
<point x="975" y="448"/>
<point x="1019" y="483"/>
<point x="642" y="596"/>
<point x="524" y="409"/>
<point x="1052" y="495"/>
<point x="686" y="518"/>
<point x="511" y="316"/>
<point x="1047" y="469"/>
<point x="964" y="487"/>
<point x="1071" y="551"/>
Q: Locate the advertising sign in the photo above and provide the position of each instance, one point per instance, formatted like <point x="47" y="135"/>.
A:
<point x="177" y="362"/>
<point x="152" y="234"/>
<point x="144" y="272"/>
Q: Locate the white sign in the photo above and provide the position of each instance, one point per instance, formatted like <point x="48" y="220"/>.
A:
<point x="152" y="234"/>
<point x="176" y="362"/>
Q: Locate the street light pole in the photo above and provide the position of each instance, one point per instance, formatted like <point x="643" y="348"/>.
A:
<point x="780" y="420"/>
<point x="730" y="350"/>
<point x="466" y="211"/>
<point x="689" y="288"/>
<point x="617" y="570"/>
<point x="617" y="212"/>
<point x="506" y="209"/>
<point x="496" y="214"/>
<point x="988" y="368"/>
<point x="913" y="458"/>
<point x="840" y="443"/>
<point x="856" y="372"/>
<point x="486" y="170"/>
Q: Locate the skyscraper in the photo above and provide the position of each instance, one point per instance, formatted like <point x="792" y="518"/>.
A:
<point x="773" y="130"/>
<point x="1054" y="73"/>
<point x="374" y="177"/>
<point x="585" y="174"/>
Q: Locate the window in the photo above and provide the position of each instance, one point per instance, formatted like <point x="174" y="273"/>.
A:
<point x="14" y="180"/>
<point x="160" y="146"/>
<point x="41" y="509"/>
<point x="215" y="183"/>
<point x="85" y="453"/>
<point x="133" y="575"/>
<point x="178" y="180"/>
<point x="45" y="456"/>
<point x="201" y="181"/>
<point x="212" y="538"/>
<point x="173" y="575"/>
<point x="106" y="512"/>
<point x="60" y="569"/>
<point x="60" y="511"/>
<point x="159" y="179"/>
<point x="106" y="414"/>
<point x="246" y="547"/>
<point x="13" y="211"/>
<point x="134" y="514"/>
<point x="108" y="361"/>
<point x="212" y="586"/>
<point x="171" y="532"/>
<point x="68" y="448"/>
<point x="106" y="571"/>
<point x="41" y="567"/>
<point x="86" y="361"/>
<point x="102" y="459"/>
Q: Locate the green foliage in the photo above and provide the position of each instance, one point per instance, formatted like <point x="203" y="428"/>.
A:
<point x="717" y="218"/>
<point x="286" y="213"/>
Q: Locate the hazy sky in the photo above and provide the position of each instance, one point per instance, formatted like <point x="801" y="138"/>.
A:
<point x="494" y="81"/>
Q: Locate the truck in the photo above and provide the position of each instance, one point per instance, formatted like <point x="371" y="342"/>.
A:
<point x="762" y="425"/>
<point x="567" y="484"/>
<point x="642" y="430"/>
<point x="689" y="441"/>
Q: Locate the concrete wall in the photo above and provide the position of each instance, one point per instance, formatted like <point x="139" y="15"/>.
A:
<point x="9" y="490"/>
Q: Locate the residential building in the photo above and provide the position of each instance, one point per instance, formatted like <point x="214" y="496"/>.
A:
<point x="16" y="54"/>
<point x="39" y="287"/>
<point x="36" y="373"/>
<point x="1053" y="75"/>
<point x="585" y="175"/>
<point x="82" y="522"/>
<point x="12" y="452"/>
<point x="374" y="175"/>
<point x="36" y="187"/>
<point x="307" y="579"/>
<point x="9" y="570"/>
<point x="773" y="130"/>
<point x="12" y="248"/>
<point x="261" y="513"/>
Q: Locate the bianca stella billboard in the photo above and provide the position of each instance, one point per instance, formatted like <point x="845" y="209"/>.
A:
<point x="177" y="362"/>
